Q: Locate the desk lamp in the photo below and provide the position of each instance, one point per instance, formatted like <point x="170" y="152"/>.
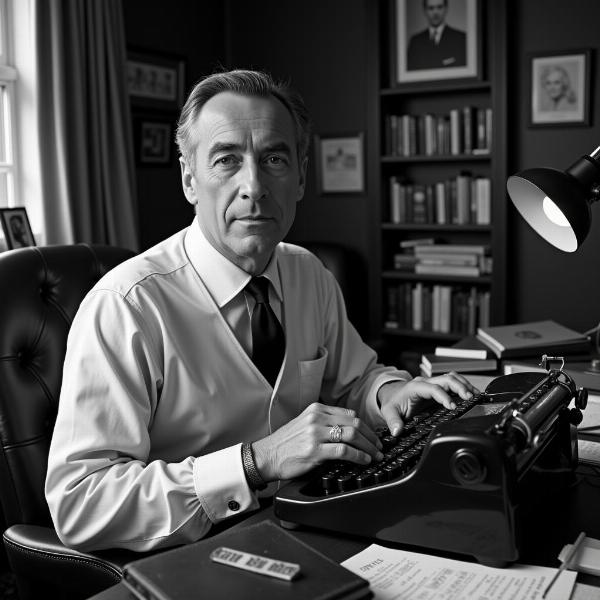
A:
<point x="557" y="203"/>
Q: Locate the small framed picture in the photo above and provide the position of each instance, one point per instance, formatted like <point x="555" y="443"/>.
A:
<point x="153" y="139"/>
<point x="560" y="88"/>
<point x="16" y="227"/>
<point x="435" y="40"/>
<point x="155" y="80"/>
<point x="340" y="164"/>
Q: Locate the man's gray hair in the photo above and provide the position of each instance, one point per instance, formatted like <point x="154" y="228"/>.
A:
<point x="246" y="83"/>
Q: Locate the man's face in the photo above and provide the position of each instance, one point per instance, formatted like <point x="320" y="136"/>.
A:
<point x="435" y="10"/>
<point x="245" y="180"/>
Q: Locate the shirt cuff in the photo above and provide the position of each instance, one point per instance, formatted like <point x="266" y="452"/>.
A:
<point x="373" y="410"/>
<point x="221" y="485"/>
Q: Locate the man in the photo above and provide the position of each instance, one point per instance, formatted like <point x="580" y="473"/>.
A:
<point x="19" y="234"/>
<point x="439" y="45"/>
<point x="166" y="423"/>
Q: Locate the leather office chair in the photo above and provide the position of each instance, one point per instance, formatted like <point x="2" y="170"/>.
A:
<point x="40" y="291"/>
<point x="349" y="270"/>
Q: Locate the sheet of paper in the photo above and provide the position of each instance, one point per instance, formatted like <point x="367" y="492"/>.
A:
<point x="589" y="451"/>
<point x="401" y="575"/>
<point x="591" y="415"/>
<point x="583" y="591"/>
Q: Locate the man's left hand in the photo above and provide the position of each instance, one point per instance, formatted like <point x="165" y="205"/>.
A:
<point x="400" y="400"/>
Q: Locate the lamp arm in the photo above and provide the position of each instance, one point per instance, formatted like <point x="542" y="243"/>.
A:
<point x="586" y="170"/>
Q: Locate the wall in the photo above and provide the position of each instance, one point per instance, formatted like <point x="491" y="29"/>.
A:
<point x="547" y="283"/>
<point x="324" y="50"/>
<point x="193" y="30"/>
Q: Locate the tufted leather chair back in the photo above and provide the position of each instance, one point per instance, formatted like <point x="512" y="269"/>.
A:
<point x="40" y="291"/>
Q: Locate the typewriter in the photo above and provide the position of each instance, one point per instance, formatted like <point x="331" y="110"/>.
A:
<point x="462" y="481"/>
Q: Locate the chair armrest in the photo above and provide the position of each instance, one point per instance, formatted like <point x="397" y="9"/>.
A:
<point x="39" y="559"/>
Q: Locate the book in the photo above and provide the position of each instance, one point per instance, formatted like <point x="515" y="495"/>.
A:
<point x="477" y="249"/>
<point x="532" y="339"/>
<point x="432" y="364"/>
<point x="188" y="572"/>
<point x="456" y="352"/>
<point x="447" y="269"/>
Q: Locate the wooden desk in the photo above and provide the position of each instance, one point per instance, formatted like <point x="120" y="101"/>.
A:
<point x="564" y="517"/>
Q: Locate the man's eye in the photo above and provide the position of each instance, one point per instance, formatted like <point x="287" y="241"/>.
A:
<point x="225" y="161"/>
<point x="276" y="160"/>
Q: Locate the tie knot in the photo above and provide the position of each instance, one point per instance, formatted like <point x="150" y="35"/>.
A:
<point x="258" y="287"/>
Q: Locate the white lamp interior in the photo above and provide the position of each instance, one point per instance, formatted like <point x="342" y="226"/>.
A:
<point x="534" y="206"/>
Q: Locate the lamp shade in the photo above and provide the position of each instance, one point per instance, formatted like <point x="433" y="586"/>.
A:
<point x="554" y="203"/>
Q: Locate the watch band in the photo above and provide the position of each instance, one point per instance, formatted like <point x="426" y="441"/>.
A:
<point x="255" y="481"/>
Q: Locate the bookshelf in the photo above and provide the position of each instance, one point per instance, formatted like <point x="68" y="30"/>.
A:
<point x="438" y="169"/>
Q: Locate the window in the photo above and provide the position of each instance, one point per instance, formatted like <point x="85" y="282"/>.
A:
<point x="8" y="76"/>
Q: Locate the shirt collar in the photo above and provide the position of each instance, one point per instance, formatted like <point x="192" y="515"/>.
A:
<point x="223" y="279"/>
<point x="437" y="31"/>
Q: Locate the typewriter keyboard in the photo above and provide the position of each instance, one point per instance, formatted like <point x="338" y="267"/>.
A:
<point x="400" y="454"/>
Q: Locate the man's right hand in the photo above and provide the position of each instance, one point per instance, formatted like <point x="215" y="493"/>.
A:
<point x="304" y="443"/>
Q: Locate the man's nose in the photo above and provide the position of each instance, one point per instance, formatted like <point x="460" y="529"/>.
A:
<point x="251" y="184"/>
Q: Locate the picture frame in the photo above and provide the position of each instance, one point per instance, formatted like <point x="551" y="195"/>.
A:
<point x="155" y="80"/>
<point x="16" y="228"/>
<point x="154" y="139"/>
<point x="415" y="58"/>
<point x="559" y="88"/>
<point x="340" y="163"/>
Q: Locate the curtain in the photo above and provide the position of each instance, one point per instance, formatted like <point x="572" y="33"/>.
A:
<point x="86" y="147"/>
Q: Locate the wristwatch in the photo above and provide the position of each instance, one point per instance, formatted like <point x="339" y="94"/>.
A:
<point x="255" y="481"/>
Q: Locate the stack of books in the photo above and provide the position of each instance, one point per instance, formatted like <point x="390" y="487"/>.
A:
<point x="467" y="356"/>
<point x="468" y="260"/>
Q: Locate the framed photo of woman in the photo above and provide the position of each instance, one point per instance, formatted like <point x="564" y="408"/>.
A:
<point x="560" y="88"/>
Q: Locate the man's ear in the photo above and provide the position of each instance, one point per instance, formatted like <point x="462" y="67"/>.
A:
<point x="188" y="182"/>
<point x="302" y="178"/>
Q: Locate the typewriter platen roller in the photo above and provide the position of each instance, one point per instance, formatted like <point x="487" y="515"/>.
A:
<point x="463" y="481"/>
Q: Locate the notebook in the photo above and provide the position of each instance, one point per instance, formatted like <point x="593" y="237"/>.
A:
<point x="188" y="572"/>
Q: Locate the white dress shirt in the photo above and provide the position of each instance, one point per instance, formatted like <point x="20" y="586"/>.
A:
<point x="159" y="390"/>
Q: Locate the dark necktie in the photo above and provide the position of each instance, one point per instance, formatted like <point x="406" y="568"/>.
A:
<point x="268" y="339"/>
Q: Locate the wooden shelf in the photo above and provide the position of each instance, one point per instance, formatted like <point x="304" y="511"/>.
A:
<point x="433" y="227"/>
<point x="433" y="335"/>
<point x="425" y="158"/>
<point x="437" y="98"/>
<point x="439" y="87"/>
<point x="408" y="276"/>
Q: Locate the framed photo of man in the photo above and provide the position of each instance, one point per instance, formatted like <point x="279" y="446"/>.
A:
<point x="435" y="40"/>
<point x="560" y="88"/>
<point x="16" y="228"/>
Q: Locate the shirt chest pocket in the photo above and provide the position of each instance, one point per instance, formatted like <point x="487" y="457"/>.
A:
<point x="311" y="377"/>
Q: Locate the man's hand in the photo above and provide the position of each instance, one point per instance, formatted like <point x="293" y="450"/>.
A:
<point x="400" y="400"/>
<point x="305" y="442"/>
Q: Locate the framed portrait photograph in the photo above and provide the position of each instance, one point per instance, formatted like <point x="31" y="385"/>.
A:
<point x="560" y="88"/>
<point x="340" y="164"/>
<point x="153" y="139"/>
<point x="16" y="228"/>
<point x="435" y="40"/>
<point x="155" y="80"/>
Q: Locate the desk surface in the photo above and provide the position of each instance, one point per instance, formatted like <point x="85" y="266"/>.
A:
<point x="565" y="516"/>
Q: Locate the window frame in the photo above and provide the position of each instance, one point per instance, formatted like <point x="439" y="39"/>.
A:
<point x="8" y="118"/>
